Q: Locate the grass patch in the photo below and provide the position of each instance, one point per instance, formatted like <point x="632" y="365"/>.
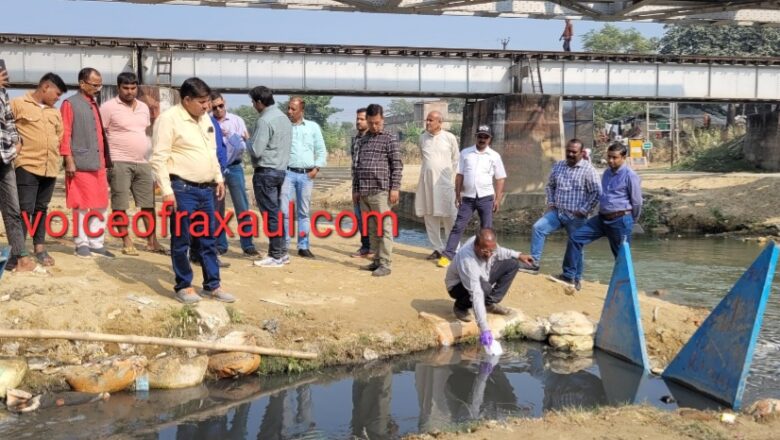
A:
<point x="235" y="315"/>
<point x="184" y="323"/>
<point x="723" y="157"/>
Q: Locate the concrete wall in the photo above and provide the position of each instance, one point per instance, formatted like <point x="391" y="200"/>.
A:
<point x="527" y="132"/>
<point x="762" y="142"/>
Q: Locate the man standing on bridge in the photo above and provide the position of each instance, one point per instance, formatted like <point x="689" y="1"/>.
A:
<point x="566" y="36"/>
<point x="270" y="155"/>
<point x="435" y="199"/>
<point x="620" y="205"/>
<point x="307" y="155"/>
<point x="85" y="149"/>
<point x="572" y="192"/>
<point x="376" y="184"/>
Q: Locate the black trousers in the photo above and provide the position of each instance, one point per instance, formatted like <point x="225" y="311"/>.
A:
<point x="35" y="193"/>
<point x="502" y="274"/>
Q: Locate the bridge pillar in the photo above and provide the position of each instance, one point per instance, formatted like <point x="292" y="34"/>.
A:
<point x="527" y="132"/>
<point x="762" y="141"/>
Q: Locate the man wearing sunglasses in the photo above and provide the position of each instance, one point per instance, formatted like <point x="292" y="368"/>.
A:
<point x="478" y="166"/>
<point x="234" y="136"/>
<point x="84" y="148"/>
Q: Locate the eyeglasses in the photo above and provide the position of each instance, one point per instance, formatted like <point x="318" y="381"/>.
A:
<point x="483" y="136"/>
<point x="96" y="86"/>
<point x="219" y="106"/>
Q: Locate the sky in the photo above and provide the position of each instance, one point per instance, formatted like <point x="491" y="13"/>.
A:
<point x="95" y="18"/>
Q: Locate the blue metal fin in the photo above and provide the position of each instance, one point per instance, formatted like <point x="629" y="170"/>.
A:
<point x="716" y="360"/>
<point x="620" y="328"/>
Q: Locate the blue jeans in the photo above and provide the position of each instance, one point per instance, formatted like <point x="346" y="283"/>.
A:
<point x="365" y="241"/>
<point x="191" y="199"/>
<point x="235" y="183"/>
<point x="550" y="222"/>
<point x="267" y="183"/>
<point x="297" y="186"/>
<point x="616" y="231"/>
<point x="483" y="206"/>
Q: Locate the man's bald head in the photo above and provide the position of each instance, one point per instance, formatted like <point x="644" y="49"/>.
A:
<point x="433" y="122"/>
<point x="486" y="235"/>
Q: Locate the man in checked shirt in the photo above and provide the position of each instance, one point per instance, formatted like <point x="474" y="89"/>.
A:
<point x="376" y="184"/>
<point x="572" y="192"/>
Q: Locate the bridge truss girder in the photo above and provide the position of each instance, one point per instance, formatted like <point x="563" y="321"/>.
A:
<point x="663" y="11"/>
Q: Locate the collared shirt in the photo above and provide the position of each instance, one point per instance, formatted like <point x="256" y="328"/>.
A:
<point x="126" y="130"/>
<point x="272" y="139"/>
<point x="233" y="130"/>
<point x="40" y="128"/>
<point x="353" y="147"/>
<point x="478" y="170"/>
<point x="221" y="147"/>
<point x="573" y="189"/>
<point x="185" y="147"/>
<point x="308" y="146"/>
<point x="9" y="137"/>
<point x="469" y="269"/>
<point x="377" y="166"/>
<point x="621" y="191"/>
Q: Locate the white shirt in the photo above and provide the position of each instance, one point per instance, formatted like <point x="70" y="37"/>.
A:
<point x="478" y="170"/>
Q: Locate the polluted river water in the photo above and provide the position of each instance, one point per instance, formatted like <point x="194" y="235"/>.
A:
<point x="436" y="389"/>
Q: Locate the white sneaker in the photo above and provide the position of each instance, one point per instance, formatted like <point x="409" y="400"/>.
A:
<point x="285" y="259"/>
<point x="269" y="262"/>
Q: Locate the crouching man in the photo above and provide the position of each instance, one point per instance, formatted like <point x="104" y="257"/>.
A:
<point x="479" y="276"/>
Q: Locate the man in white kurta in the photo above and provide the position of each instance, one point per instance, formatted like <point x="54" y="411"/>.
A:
<point x="435" y="200"/>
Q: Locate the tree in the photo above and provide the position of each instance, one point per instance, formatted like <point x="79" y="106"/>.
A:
<point x="727" y="40"/>
<point x="400" y="107"/>
<point x="607" y="111"/>
<point x="612" y="39"/>
<point x="455" y="105"/>
<point x="318" y="108"/>
<point x="249" y="115"/>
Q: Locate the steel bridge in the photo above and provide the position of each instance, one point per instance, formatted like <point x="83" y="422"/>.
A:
<point x="395" y="71"/>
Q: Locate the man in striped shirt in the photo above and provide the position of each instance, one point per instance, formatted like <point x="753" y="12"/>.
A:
<point x="572" y="192"/>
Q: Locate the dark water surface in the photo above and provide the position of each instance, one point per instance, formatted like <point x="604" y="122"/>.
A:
<point x="438" y="389"/>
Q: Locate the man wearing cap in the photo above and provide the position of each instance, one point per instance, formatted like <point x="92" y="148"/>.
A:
<point x="478" y="165"/>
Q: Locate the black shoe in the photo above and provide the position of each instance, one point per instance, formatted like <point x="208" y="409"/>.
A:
<point x="221" y="251"/>
<point x="371" y="267"/>
<point x="562" y="279"/>
<point x="251" y="252"/>
<point x="434" y="256"/>
<point x="195" y="262"/>
<point x="577" y="285"/>
<point x="498" y="309"/>
<point x="462" y="315"/>
<point x="381" y="271"/>
<point x="532" y="269"/>
<point x="102" y="252"/>
<point x="305" y="253"/>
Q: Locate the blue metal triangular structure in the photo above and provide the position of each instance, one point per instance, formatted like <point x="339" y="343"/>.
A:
<point x="717" y="358"/>
<point x="4" y="259"/>
<point x="620" y="327"/>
